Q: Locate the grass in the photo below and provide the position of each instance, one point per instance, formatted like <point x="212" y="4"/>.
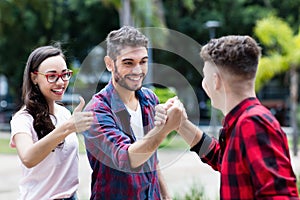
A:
<point x="81" y="144"/>
<point x="5" y="148"/>
<point x="173" y="142"/>
<point x="195" y="192"/>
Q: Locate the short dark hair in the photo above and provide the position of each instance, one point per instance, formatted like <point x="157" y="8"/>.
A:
<point x="125" y="36"/>
<point x="237" y="54"/>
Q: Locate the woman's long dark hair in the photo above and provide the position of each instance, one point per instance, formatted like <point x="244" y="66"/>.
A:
<point x="33" y="99"/>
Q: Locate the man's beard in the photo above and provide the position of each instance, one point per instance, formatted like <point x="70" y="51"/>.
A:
<point x="122" y="80"/>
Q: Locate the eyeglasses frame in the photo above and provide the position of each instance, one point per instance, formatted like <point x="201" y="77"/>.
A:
<point x="59" y="75"/>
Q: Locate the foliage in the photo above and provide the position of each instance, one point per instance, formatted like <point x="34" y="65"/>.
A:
<point x="274" y="33"/>
<point x="236" y="17"/>
<point x="268" y="68"/>
<point x="164" y="94"/>
<point x="196" y="193"/>
<point x="143" y="13"/>
<point x="282" y="48"/>
<point x="174" y="142"/>
<point x="80" y="25"/>
<point x="25" y="25"/>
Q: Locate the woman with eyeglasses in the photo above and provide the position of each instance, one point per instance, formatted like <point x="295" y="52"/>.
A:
<point x="44" y="132"/>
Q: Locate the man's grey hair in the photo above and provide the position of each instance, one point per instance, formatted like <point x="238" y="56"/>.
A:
<point x="125" y="36"/>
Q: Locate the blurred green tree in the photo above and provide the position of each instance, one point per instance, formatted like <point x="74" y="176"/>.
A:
<point x="24" y="25"/>
<point x="236" y="17"/>
<point x="19" y="27"/>
<point x="79" y="25"/>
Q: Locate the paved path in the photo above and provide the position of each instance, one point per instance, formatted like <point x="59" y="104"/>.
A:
<point x="181" y="169"/>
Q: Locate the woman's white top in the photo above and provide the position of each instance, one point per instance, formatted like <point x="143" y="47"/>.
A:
<point x="56" y="176"/>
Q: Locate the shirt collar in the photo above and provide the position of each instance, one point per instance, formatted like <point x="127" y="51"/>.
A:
<point x="118" y="105"/>
<point x="236" y="112"/>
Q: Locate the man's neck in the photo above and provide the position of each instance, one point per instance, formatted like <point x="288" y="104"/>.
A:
<point x="235" y="91"/>
<point x="128" y="97"/>
<point x="232" y="101"/>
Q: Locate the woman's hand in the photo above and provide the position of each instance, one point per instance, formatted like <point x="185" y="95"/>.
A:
<point x="81" y="121"/>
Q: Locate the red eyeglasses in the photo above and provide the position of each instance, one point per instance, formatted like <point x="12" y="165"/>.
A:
<point x="53" y="77"/>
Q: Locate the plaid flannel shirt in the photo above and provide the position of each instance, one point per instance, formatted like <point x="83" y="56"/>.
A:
<point x="107" y="143"/>
<point x="251" y="154"/>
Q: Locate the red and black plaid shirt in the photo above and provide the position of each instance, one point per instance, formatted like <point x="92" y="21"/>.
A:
<point x="251" y="154"/>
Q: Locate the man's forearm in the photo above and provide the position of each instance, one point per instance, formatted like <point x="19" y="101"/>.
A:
<point x="190" y="133"/>
<point x="142" y="150"/>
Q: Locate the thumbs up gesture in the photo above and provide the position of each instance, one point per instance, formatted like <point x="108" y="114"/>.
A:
<point x="80" y="106"/>
<point x="81" y="121"/>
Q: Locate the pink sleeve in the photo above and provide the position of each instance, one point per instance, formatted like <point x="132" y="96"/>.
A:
<point x="21" y="122"/>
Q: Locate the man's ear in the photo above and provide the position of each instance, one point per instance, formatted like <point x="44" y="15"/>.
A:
<point x="217" y="81"/>
<point x="109" y="63"/>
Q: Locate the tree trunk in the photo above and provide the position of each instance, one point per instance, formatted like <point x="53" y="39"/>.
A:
<point x="294" y="104"/>
<point x="125" y="14"/>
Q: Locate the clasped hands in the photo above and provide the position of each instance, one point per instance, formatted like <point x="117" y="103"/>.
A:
<point x="170" y="115"/>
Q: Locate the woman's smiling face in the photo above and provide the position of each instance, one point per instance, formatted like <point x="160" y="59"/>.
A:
<point x="51" y="91"/>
